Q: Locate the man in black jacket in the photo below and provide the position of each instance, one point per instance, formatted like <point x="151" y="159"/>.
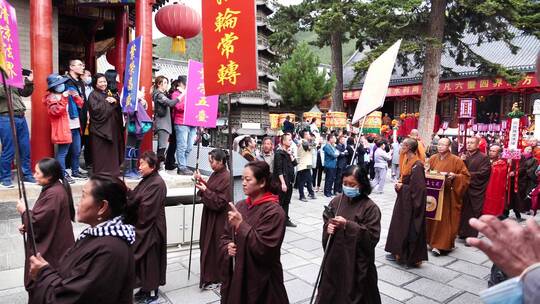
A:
<point x="284" y="163"/>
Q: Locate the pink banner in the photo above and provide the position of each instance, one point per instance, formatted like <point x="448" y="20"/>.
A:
<point x="10" y="44"/>
<point x="200" y="110"/>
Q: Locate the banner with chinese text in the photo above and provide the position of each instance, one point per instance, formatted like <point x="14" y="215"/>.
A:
<point x="132" y="75"/>
<point x="229" y="46"/>
<point x="435" y="196"/>
<point x="11" y="60"/>
<point x="200" y="110"/>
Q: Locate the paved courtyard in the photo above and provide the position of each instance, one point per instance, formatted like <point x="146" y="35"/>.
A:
<point x="455" y="278"/>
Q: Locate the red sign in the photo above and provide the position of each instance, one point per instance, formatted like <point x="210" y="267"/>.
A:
<point x="467" y="108"/>
<point x="455" y="86"/>
<point x="229" y="46"/>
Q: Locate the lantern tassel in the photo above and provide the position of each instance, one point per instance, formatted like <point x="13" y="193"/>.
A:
<point x="178" y="45"/>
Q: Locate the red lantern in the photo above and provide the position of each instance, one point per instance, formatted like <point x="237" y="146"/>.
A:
<point x="111" y="56"/>
<point x="179" y="22"/>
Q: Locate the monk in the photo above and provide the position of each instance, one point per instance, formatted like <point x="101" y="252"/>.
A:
<point x="524" y="172"/>
<point x="406" y="241"/>
<point x="441" y="234"/>
<point x="215" y="195"/>
<point x="496" y="188"/>
<point x="420" y="152"/>
<point x="479" y="169"/>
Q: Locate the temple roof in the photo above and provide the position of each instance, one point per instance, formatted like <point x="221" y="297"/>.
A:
<point x="496" y="52"/>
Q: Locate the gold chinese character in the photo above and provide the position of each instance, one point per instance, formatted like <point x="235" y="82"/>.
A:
<point x="4" y="15"/>
<point x="201" y="72"/>
<point x="447" y="87"/>
<point x="202" y="117"/>
<point x="202" y="102"/>
<point x="484" y="83"/>
<point x="459" y="85"/>
<point x="132" y="51"/>
<point x="226" y="44"/>
<point x="471" y="84"/>
<point x="498" y="82"/>
<point x="6" y="33"/>
<point x="415" y="89"/>
<point x="527" y="80"/>
<point x="227" y="20"/>
<point x="406" y="90"/>
<point x="201" y="89"/>
<point x="128" y="100"/>
<point x="228" y="72"/>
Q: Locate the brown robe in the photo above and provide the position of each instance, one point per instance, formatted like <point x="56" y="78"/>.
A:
<point x="442" y="234"/>
<point x="350" y="274"/>
<point x="215" y="199"/>
<point x="95" y="270"/>
<point x="150" y="247"/>
<point x="52" y="226"/>
<point x="526" y="176"/>
<point x="106" y="134"/>
<point x="407" y="231"/>
<point x="257" y="277"/>
<point x="479" y="168"/>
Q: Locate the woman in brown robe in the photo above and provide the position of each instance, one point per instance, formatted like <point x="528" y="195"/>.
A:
<point x="106" y="128"/>
<point x="51" y="215"/>
<point x="150" y="248"/>
<point x="215" y="194"/>
<point x="99" y="268"/>
<point x="258" y="223"/>
<point x="354" y="221"/>
<point x="406" y="241"/>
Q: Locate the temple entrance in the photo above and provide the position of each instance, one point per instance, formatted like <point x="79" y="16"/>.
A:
<point x="488" y="111"/>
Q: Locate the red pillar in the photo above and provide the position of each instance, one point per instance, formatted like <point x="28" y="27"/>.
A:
<point x="143" y="27"/>
<point x="42" y="65"/>
<point x="90" y="54"/>
<point x="121" y="41"/>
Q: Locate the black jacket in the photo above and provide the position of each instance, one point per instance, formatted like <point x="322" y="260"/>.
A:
<point x="342" y="158"/>
<point x="284" y="166"/>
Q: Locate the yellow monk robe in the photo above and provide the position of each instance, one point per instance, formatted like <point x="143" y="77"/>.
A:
<point x="441" y="234"/>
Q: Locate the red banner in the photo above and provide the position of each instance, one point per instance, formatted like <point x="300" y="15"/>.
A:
<point x="455" y="86"/>
<point x="229" y="46"/>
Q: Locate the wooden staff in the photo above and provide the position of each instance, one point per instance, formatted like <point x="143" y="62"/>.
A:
<point x="327" y="245"/>
<point x="194" y="196"/>
<point x="231" y="174"/>
<point x="20" y="183"/>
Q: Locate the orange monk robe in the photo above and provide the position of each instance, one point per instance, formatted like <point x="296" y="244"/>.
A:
<point x="441" y="234"/>
<point x="496" y="188"/>
<point x="420" y="152"/>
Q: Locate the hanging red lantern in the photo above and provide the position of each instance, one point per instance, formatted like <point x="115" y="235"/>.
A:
<point x="179" y="22"/>
<point x="111" y="56"/>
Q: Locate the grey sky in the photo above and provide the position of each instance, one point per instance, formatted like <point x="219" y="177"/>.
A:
<point x="197" y="6"/>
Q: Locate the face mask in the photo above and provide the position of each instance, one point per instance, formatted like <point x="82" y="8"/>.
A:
<point x="351" y="192"/>
<point x="507" y="292"/>
<point x="60" y="88"/>
<point x="88" y="81"/>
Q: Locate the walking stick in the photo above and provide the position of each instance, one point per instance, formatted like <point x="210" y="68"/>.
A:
<point x="20" y="183"/>
<point x="231" y="174"/>
<point x="194" y="196"/>
<point x="327" y="245"/>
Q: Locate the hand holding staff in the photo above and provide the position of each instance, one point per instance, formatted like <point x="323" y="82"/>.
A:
<point x="235" y="217"/>
<point x="36" y="263"/>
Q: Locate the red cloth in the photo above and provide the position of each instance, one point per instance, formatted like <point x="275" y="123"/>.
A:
<point x="496" y="189"/>
<point x="483" y="145"/>
<point x="266" y="198"/>
<point x="437" y="123"/>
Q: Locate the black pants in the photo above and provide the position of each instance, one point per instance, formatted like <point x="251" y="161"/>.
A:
<point x="339" y="179"/>
<point x="170" y="158"/>
<point x="304" y="179"/>
<point x="329" y="179"/>
<point x="317" y="176"/>
<point x="85" y="140"/>
<point x="285" y="199"/>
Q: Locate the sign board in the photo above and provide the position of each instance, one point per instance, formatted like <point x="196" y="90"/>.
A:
<point x="513" y="135"/>
<point x="200" y="110"/>
<point x="435" y="196"/>
<point x="132" y="75"/>
<point x="467" y="108"/>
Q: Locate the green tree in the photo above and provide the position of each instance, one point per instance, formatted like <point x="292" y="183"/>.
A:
<point x="300" y="83"/>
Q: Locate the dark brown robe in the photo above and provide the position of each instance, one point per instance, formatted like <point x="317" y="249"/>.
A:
<point x="526" y="183"/>
<point x="350" y="274"/>
<point x="257" y="277"/>
<point x="52" y="226"/>
<point x="106" y="134"/>
<point x="214" y="215"/>
<point x="95" y="270"/>
<point x="473" y="202"/>
<point x="442" y="234"/>
<point x="407" y="231"/>
<point x="150" y="247"/>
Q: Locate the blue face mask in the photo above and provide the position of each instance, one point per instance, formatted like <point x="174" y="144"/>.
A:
<point x="507" y="292"/>
<point x="60" y="88"/>
<point x="351" y="192"/>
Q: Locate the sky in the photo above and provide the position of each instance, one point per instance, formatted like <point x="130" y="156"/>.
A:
<point x="196" y="4"/>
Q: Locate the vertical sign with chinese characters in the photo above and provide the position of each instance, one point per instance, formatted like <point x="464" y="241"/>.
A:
<point x="9" y="35"/>
<point x="131" y="75"/>
<point x="200" y="110"/>
<point x="229" y="46"/>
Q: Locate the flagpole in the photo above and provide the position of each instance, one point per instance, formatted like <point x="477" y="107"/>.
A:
<point x="194" y="197"/>
<point x="327" y="245"/>
<point x="231" y="173"/>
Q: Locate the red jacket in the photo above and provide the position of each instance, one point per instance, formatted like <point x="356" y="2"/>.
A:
<point x="58" y="115"/>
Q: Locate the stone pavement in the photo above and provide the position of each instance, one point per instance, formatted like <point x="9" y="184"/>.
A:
<point x="455" y="278"/>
